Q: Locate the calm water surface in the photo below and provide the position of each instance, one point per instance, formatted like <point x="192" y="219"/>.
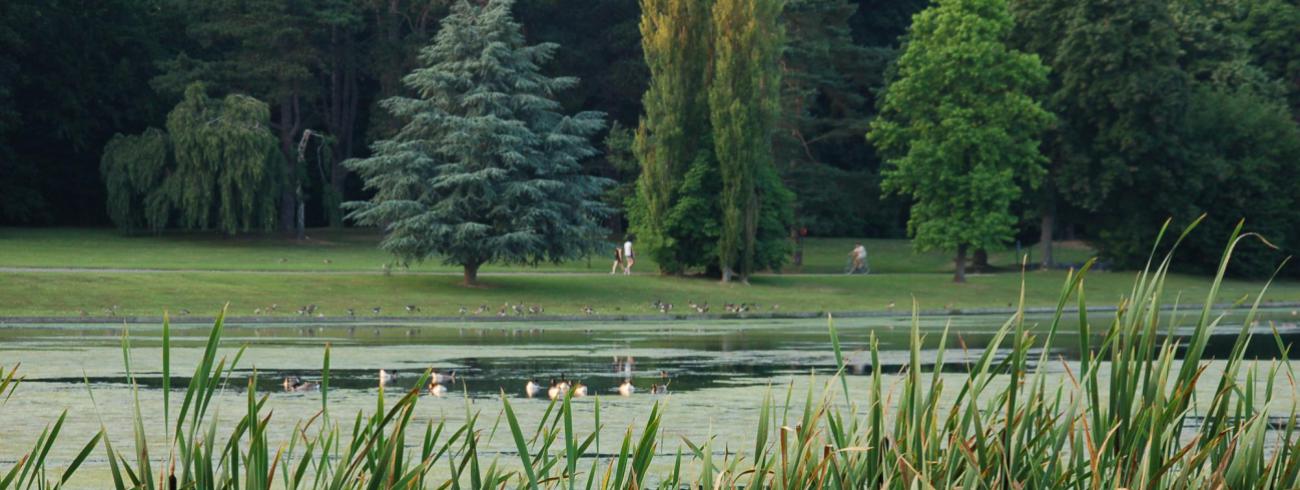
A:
<point x="717" y="372"/>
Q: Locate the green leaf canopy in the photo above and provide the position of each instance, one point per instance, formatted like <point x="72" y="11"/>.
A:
<point x="960" y="127"/>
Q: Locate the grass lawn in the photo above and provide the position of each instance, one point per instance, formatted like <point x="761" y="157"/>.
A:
<point x="286" y="273"/>
<point x="66" y="294"/>
<point x="356" y="251"/>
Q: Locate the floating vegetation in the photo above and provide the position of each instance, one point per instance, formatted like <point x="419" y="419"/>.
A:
<point x="1136" y="423"/>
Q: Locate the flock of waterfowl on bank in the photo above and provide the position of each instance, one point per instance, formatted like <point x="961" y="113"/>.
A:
<point x="506" y="310"/>
<point x="557" y="388"/>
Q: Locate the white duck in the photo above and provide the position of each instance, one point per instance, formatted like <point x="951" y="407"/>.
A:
<point x="532" y="388"/>
<point x="437" y="389"/>
<point x="626" y="388"/>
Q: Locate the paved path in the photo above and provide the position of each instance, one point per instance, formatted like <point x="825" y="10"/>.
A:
<point x="123" y="270"/>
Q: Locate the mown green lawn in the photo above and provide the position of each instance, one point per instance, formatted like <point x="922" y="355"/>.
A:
<point x="356" y="251"/>
<point x="68" y="294"/>
<point x="288" y="273"/>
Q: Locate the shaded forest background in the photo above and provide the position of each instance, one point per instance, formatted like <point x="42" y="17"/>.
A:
<point x="1163" y="108"/>
<point x="74" y="73"/>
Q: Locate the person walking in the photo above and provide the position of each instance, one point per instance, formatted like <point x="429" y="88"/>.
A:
<point x="859" y="257"/>
<point x="628" y="257"/>
<point x="618" y="259"/>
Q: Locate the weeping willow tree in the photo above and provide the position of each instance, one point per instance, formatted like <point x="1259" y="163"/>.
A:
<point x="133" y="167"/>
<point x="218" y="166"/>
<point x="227" y="163"/>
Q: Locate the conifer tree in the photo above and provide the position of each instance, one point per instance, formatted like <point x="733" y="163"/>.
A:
<point x="744" y="102"/>
<point x="827" y="82"/>
<point x="673" y="135"/>
<point x="960" y="127"/>
<point x="486" y="169"/>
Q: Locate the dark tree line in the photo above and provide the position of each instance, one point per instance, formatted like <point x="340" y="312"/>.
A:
<point x="1161" y="108"/>
<point x="75" y="73"/>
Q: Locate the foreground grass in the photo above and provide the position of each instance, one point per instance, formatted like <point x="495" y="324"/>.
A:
<point x="355" y="251"/>
<point x="1139" y="425"/>
<point x="149" y="294"/>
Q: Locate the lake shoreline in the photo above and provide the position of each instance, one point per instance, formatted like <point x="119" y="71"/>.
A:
<point x="642" y="318"/>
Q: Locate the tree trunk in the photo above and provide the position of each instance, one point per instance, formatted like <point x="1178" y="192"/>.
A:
<point x="344" y="101"/>
<point x="797" y="260"/>
<point x="1045" y="239"/>
<point x="959" y="276"/>
<point x="287" y="200"/>
<point x="289" y="126"/>
<point x="981" y="260"/>
<point x="471" y="274"/>
<point x="727" y="274"/>
<point x="751" y="237"/>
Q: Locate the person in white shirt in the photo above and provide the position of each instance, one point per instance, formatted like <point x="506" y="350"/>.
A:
<point x="859" y="255"/>
<point x="628" y="258"/>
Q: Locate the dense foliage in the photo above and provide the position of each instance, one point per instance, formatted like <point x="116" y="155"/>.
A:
<point x="673" y="135"/>
<point x="961" y="128"/>
<point x="709" y="195"/>
<point x="216" y="167"/>
<point x="324" y="67"/>
<point x="1164" y="110"/>
<point x="744" y="103"/>
<point x="134" y="168"/>
<point x="1129" y="85"/>
<point x="486" y="168"/>
<point x="827" y="85"/>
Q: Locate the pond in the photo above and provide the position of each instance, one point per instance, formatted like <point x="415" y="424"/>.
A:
<point x="716" y="373"/>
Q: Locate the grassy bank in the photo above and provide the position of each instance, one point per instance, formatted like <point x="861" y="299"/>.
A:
<point x="341" y="270"/>
<point x="148" y="294"/>
<point x="355" y="251"/>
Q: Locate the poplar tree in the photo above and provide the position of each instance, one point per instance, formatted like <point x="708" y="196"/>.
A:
<point x="744" y="102"/>
<point x="485" y="169"/>
<point x="960" y="128"/>
<point x="673" y="134"/>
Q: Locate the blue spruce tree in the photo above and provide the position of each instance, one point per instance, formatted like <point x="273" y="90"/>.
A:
<point x="486" y="168"/>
